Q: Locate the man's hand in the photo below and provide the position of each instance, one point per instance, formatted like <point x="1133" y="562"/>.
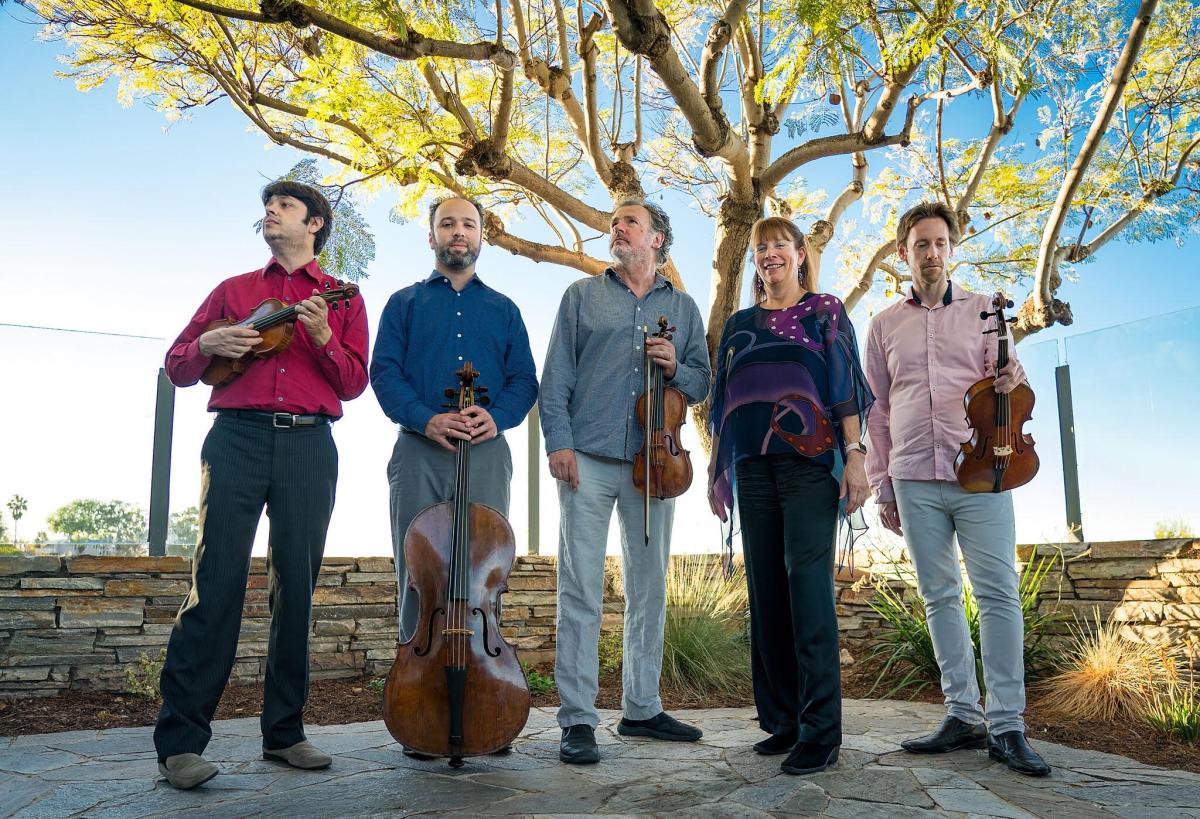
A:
<point x="889" y="516"/>
<point x="564" y="468"/>
<point x="228" y="342"/>
<point x="1006" y="379"/>
<point x="314" y="315"/>
<point x="854" y="482"/>
<point x="447" y="428"/>
<point x="662" y="352"/>
<point x="480" y="423"/>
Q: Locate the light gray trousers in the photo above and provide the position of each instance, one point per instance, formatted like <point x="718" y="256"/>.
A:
<point x="931" y="514"/>
<point x="420" y="474"/>
<point x="583" y="536"/>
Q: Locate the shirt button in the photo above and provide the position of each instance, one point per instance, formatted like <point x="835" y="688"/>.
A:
<point x="447" y="281"/>
<point x="458" y="314"/>
<point x="280" y="398"/>
<point x="460" y="358"/>
<point x="460" y="335"/>
<point x="282" y="370"/>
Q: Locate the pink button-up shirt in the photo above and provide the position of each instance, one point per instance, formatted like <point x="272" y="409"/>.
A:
<point x="921" y="360"/>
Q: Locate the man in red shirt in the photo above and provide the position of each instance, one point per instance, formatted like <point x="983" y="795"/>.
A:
<point x="271" y="444"/>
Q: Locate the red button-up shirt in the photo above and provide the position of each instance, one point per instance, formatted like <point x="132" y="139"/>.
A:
<point x="303" y="379"/>
<point x="921" y="360"/>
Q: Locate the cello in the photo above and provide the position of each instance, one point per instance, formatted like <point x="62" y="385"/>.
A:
<point x="663" y="468"/>
<point x="456" y="688"/>
<point x="999" y="456"/>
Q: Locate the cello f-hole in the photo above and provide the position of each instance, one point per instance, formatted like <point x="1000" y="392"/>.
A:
<point x="487" y="643"/>
<point x="421" y="652"/>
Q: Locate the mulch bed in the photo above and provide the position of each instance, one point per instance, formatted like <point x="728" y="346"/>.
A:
<point x="334" y="702"/>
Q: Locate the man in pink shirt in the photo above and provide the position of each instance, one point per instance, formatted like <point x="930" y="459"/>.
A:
<point x="923" y="353"/>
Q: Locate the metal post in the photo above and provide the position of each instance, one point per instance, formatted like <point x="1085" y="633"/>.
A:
<point x="160" y="465"/>
<point x="535" y="470"/>
<point x="1066" y="432"/>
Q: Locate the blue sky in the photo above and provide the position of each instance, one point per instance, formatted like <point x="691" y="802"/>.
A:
<point x="115" y="222"/>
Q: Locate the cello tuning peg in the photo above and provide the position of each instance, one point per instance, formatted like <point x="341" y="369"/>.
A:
<point x="986" y="332"/>
<point x="481" y="390"/>
<point x="450" y="392"/>
<point x="483" y="400"/>
<point x="333" y="305"/>
<point x="1011" y="319"/>
<point x="1008" y="303"/>
<point x="346" y="303"/>
<point x="984" y="315"/>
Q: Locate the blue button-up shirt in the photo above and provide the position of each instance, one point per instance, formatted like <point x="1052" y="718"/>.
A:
<point x="429" y="330"/>
<point x="592" y="376"/>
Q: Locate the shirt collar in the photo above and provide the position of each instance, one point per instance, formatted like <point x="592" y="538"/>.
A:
<point x="312" y="269"/>
<point x="659" y="279"/>
<point x="436" y="277"/>
<point x="949" y="296"/>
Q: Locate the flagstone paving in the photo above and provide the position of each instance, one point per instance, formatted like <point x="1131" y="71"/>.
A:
<point x="114" y="774"/>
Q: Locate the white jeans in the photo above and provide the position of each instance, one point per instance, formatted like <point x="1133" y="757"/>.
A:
<point x="931" y="514"/>
<point x="583" y="536"/>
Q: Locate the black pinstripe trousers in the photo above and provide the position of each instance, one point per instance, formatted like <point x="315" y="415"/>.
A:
<point x="246" y="465"/>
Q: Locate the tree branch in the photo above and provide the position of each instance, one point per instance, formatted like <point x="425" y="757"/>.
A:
<point x="867" y="278"/>
<point x="495" y="234"/>
<point x="1043" y="309"/>
<point x="834" y="145"/>
<point x="718" y="39"/>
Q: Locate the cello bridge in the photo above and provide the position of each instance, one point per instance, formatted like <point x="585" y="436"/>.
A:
<point x="1002" y="451"/>
<point x="458" y="632"/>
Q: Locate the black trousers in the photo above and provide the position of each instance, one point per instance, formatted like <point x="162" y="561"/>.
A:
<point x="788" y="509"/>
<point x="247" y="465"/>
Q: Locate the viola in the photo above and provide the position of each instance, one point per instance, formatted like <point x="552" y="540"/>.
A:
<point x="275" y="323"/>
<point x="663" y="468"/>
<point x="999" y="456"/>
<point x="456" y="688"/>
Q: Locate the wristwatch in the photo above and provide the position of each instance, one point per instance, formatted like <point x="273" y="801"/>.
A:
<point x="858" y="446"/>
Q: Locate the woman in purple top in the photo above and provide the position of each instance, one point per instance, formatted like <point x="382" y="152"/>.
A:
<point x="789" y="405"/>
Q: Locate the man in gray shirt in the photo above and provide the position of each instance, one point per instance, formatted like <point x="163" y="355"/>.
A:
<point x="591" y="382"/>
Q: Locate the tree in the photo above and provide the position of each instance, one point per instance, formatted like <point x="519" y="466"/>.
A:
<point x="558" y="115"/>
<point x="89" y="519"/>
<point x="185" y="529"/>
<point x="16" y="507"/>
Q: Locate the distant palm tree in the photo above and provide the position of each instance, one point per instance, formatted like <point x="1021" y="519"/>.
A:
<point x="16" y="507"/>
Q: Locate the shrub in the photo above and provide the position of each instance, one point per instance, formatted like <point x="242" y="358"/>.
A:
<point x="905" y="645"/>
<point x="1104" y="675"/>
<point x="377" y="685"/>
<point x="705" y="647"/>
<point x="1169" y="528"/>
<point x="611" y="650"/>
<point x="142" y="678"/>
<point x="538" y="682"/>
<point x="1174" y="707"/>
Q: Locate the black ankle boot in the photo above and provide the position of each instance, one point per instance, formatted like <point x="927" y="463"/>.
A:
<point x="809" y="757"/>
<point x="775" y="744"/>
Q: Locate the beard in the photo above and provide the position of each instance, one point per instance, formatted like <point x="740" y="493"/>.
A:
<point x="457" y="259"/>
<point x="627" y="254"/>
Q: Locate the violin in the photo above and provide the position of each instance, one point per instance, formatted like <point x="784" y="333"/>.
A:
<point x="663" y="468"/>
<point x="999" y="456"/>
<point x="275" y="323"/>
<point x="456" y="688"/>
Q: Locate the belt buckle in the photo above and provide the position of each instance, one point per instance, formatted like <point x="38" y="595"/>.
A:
<point x="278" y="417"/>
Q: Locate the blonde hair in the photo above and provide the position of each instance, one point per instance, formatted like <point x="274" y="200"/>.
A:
<point x="774" y="227"/>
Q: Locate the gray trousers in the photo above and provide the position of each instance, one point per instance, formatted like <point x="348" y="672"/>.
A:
<point x="931" y="514"/>
<point x="420" y="474"/>
<point x="583" y="537"/>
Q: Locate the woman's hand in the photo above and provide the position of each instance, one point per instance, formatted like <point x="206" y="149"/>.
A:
<point x="854" y="482"/>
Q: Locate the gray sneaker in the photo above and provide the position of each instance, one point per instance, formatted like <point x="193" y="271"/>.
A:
<point x="186" y="771"/>
<point x="303" y="755"/>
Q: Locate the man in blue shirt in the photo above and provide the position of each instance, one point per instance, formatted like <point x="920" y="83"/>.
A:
<point x="427" y="332"/>
<point x="589" y="387"/>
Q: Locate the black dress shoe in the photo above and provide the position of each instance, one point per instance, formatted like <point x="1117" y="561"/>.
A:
<point x="775" y="744"/>
<point x="809" y="757"/>
<point x="951" y="736"/>
<point x="1012" y="749"/>
<point x="578" y="745"/>
<point x="417" y="755"/>
<point x="660" y="726"/>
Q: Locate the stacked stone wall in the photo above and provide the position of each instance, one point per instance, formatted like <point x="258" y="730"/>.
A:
<point x="86" y="622"/>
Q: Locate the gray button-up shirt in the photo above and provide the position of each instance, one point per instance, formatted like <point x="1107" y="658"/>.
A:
<point x="593" y="371"/>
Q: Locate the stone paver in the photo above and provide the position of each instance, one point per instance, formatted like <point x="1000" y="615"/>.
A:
<point x="113" y="774"/>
